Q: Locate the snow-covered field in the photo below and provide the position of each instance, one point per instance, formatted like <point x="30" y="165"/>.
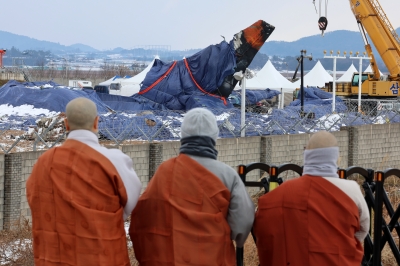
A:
<point x="7" y="110"/>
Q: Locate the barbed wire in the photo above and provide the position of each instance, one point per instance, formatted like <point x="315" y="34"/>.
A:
<point x="32" y="133"/>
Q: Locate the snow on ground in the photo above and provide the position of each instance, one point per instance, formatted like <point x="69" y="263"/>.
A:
<point x="126" y="226"/>
<point x="222" y="116"/>
<point x="40" y="87"/>
<point x="10" y="251"/>
<point x="330" y="122"/>
<point x="24" y="110"/>
<point x="380" y="120"/>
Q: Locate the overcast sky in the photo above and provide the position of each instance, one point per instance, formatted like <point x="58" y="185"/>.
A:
<point x="183" y="24"/>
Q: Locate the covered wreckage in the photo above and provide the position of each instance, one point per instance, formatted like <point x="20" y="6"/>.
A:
<point x="205" y="79"/>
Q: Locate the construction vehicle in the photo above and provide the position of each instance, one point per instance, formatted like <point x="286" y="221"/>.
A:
<point x="372" y="19"/>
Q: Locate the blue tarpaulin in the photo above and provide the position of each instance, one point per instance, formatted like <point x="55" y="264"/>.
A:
<point x="46" y="95"/>
<point x="180" y="84"/>
<point x="252" y="96"/>
<point x="317" y="97"/>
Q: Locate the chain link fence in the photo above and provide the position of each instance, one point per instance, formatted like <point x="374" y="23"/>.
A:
<point x="32" y="133"/>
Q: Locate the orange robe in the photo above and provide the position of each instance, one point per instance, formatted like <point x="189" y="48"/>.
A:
<point x="76" y="198"/>
<point x="307" y="221"/>
<point x="181" y="217"/>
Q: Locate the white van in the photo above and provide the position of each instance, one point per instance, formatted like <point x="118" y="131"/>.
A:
<point x="84" y="84"/>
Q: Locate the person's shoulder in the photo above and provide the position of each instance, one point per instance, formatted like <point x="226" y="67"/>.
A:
<point x="292" y="181"/>
<point x="113" y="154"/>
<point x="354" y="185"/>
<point x="225" y="166"/>
<point x="114" y="151"/>
<point x="227" y="169"/>
<point x="287" y="184"/>
<point x="348" y="182"/>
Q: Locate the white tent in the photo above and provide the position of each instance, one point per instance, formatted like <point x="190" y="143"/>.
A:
<point x="269" y="77"/>
<point x="137" y="79"/>
<point x="114" y="79"/>
<point x="317" y="76"/>
<point x="130" y="86"/>
<point x="348" y="75"/>
<point x="369" y="70"/>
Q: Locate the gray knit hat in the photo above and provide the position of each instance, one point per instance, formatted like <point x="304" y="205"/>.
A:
<point x="199" y="122"/>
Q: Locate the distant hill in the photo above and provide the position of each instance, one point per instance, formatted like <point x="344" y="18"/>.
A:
<point x="340" y="40"/>
<point x="8" y="40"/>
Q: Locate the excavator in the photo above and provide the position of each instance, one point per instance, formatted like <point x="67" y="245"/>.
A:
<point x="372" y="19"/>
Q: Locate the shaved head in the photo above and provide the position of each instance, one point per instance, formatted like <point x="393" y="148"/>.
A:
<point x="321" y="139"/>
<point x="81" y="114"/>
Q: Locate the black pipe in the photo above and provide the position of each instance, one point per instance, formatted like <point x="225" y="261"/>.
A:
<point x="239" y="256"/>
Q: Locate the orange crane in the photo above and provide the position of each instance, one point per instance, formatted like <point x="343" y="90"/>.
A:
<point x="372" y="19"/>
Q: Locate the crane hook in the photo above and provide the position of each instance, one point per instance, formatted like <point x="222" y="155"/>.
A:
<point x="322" y="21"/>
<point x="322" y="24"/>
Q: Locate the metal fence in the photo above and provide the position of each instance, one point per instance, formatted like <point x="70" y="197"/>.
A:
<point x="27" y="133"/>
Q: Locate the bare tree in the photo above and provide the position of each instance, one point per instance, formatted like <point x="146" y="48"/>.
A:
<point x="40" y="63"/>
<point x="77" y="72"/>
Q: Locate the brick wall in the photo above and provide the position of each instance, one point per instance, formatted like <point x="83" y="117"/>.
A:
<point x="240" y="151"/>
<point x="28" y="159"/>
<point x="140" y="157"/>
<point x="12" y="188"/>
<point x="170" y="149"/>
<point x="280" y="149"/>
<point x="1" y="190"/>
<point x="343" y="140"/>
<point x="373" y="146"/>
<point x="230" y="151"/>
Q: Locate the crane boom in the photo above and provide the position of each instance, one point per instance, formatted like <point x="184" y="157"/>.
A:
<point x="372" y="18"/>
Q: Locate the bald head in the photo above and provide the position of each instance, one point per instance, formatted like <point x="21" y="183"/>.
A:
<point x="81" y="114"/>
<point x="321" y="139"/>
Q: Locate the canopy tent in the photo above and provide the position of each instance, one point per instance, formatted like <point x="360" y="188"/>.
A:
<point x="348" y="75"/>
<point x="269" y="77"/>
<point x="369" y="70"/>
<point x="109" y="81"/>
<point x="317" y="76"/>
<point x="137" y="79"/>
<point x="130" y="86"/>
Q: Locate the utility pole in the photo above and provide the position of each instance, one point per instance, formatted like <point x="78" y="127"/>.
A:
<point x="360" y="58"/>
<point x="300" y="59"/>
<point x="334" y="57"/>
<point x="242" y="76"/>
<point x="66" y="71"/>
<point x="243" y="107"/>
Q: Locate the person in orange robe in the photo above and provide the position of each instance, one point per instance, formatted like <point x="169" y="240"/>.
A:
<point x="317" y="219"/>
<point x="80" y="194"/>
<point x="194" y="205"/>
